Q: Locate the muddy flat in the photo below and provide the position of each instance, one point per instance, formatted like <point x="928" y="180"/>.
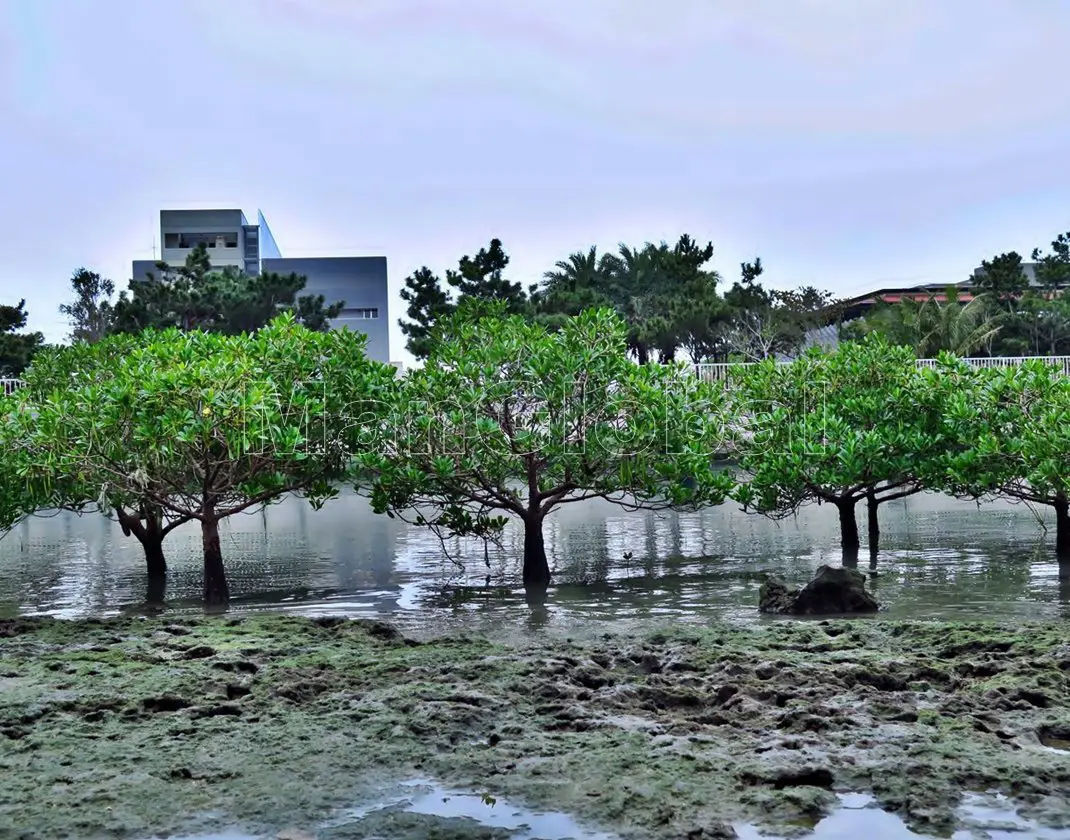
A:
<point x="268" y="725"/>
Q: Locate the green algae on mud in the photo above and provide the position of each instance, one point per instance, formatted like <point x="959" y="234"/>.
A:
<point x="136" y="727"/>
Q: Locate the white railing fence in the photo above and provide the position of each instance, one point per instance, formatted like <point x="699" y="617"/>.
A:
<point x="718" y="371"/>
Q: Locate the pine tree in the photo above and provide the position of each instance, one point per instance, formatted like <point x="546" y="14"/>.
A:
<point x="16" y="348"/>
<point x="91" y="314"/>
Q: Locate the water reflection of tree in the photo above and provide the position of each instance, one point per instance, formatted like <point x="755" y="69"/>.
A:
<point x="695" y="563"/>
<point x="620" y="547"/>
<point x="538" y="614"/>
<point x="361" y="546"/>
<point x="1064" y="588"/>
<point x="581" y="552"/>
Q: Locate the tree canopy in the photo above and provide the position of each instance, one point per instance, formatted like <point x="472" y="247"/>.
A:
<point x="17" y="349"/>
<point x="1003" y="279"/>
<point x="481" y="277"/>
<point x="54" y="370"/>
<point x="197" y="296"/>
<point x="91" y="313"/>
<point x="1013" y="428"/>
<point x="657" y="290"/>
<point x="836" y="427"/>
<point x="509" y="418"/>
<point x="196" y="425"/>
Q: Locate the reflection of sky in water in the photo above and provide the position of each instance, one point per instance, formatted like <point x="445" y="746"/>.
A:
<point x="942" y="558"/>
<point x="988" y="817"/>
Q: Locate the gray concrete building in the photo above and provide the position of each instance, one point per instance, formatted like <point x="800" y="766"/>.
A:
<point x="359" y="282"/>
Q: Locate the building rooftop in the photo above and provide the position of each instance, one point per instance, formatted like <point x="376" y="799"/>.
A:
<point x="856" y="306"/>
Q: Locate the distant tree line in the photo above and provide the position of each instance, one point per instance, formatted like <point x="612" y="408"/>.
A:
<point x="676" y="305"/>
<point x="191" y="296"/>
<point x="669" y="297"/>
<point x="1007" y="316"/>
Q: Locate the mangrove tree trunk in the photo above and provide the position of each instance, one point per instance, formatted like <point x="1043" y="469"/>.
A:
<point x="146" y="529"/>
<point x="848" y="531"/>
<point x="872" y="523"/>
<point x="216" y="591"/>
<point x="155" y="562"/>
<point x="1062" y="527"/>
<point x="536" y="573"/>
<point x="156" y="590"/>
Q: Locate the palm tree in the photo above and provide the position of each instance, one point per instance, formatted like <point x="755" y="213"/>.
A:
<point x="931" y="326"/>
<point x="663" y="293"/>
<point x="958" y="328"/>
<point x="577" y="283"/>
<point x="621" y="281"/>
<point x="580" y="270"/>
<point x="633" y="292"/>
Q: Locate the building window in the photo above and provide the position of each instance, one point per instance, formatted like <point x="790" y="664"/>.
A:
<point x="363" y="314"/>
<point x="210" y="240"/>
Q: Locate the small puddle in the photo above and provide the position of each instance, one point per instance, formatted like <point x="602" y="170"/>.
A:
<point x="987" y="817"/>
<point x="425" y="810"/>
<point x="1055" y="738"/>
<point x="460" y="815"/>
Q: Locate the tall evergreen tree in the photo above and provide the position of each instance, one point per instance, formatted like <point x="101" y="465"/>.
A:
<point x="1003" y="280"/>
<point x="91" y="313"/>
<point x="476" y="278"/>
<point x="1047" y="311"/>
<point x="428" y="302"/>
<point x="1053" y="269"/>
<point x="16" y="348"/>
<point x="481" y="277"/>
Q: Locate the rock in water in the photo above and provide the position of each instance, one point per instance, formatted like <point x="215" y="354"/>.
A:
<point x="834" y="591"/>
<point x="775" y="597"/>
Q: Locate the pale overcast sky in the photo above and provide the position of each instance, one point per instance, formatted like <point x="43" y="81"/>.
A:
<point x="849" y="143"/>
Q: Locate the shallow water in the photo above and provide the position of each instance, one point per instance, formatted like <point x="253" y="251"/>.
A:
<point x="986" y="817"/>
<point x="461" y="811"/>
<point x="941" y="559"/>
<point x="481" y="808"/>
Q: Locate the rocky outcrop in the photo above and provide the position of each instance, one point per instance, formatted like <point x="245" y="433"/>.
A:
<point x="834" y="591"/>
